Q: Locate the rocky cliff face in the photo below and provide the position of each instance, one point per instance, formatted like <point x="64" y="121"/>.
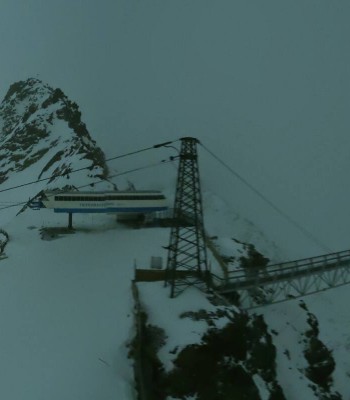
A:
<point x="41" y="129"/>
<point x="219" y="352"/>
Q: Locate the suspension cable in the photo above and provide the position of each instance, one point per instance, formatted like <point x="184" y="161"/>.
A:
<point x="292" y="221"/>
<point x="156" y="146"/>
<point x="128" y="172"/>
<point x="162" y="162"/>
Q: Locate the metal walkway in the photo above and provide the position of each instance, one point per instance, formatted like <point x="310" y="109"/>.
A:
<point x="256" y="287"/>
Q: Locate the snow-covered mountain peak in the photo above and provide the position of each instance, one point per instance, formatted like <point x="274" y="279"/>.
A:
<point x="41" y="129"/>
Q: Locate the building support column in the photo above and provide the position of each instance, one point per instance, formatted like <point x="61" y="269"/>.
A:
<point x="70" y="221"/>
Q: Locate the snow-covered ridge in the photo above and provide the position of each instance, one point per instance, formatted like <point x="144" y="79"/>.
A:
<point x="41" y="129"/>
<point x="66" y="304"/>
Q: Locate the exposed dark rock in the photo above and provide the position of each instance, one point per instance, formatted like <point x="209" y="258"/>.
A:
<point x="40" y="124"/>
<point x="221" y="367"/>
<point x="320" y="360"/>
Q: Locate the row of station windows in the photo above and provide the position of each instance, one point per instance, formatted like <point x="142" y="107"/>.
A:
<point x="99" y="198"/>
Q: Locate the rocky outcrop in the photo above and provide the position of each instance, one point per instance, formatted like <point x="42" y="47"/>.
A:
<point x="42" y="129"/>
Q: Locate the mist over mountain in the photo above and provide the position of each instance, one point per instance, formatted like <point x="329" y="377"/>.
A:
<point x="299" y="354"/>
<point x="265" y="86"/>
<point x="41" y="129"/>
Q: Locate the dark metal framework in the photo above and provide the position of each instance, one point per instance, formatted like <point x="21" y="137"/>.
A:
<point x="257" y="287"/>
<point x="187" y="256"/>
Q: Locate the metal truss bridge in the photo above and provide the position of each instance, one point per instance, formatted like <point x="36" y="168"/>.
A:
<point x="249" y="287"/>
<point x="256" y="287"/>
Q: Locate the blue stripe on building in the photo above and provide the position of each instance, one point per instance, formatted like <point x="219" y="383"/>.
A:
<point x="110" y="210"/>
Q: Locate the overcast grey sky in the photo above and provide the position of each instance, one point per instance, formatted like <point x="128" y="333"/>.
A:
<point x="264" y="84"/>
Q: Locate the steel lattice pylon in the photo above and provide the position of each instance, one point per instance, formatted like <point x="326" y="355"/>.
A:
<point x="187" y="256"/>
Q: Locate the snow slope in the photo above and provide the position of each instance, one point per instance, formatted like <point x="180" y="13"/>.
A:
<point x="67" y="311"/>
<point x="66" y="308"/>
<point x="289" y="320"/>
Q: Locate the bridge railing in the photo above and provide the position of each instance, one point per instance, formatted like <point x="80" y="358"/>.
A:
<point x="253" y="276"/>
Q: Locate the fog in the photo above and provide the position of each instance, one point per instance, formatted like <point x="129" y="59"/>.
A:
<point x="264" y="85"/>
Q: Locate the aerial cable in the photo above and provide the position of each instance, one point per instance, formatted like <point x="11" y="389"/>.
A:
<point x="269" y="202"/>
<point x="128" y="172"/>
<point x="98" y="182"/>
<point x="156" y="146"/>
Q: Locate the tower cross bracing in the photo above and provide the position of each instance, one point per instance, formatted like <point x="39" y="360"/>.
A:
<point x="187" y="256"/>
